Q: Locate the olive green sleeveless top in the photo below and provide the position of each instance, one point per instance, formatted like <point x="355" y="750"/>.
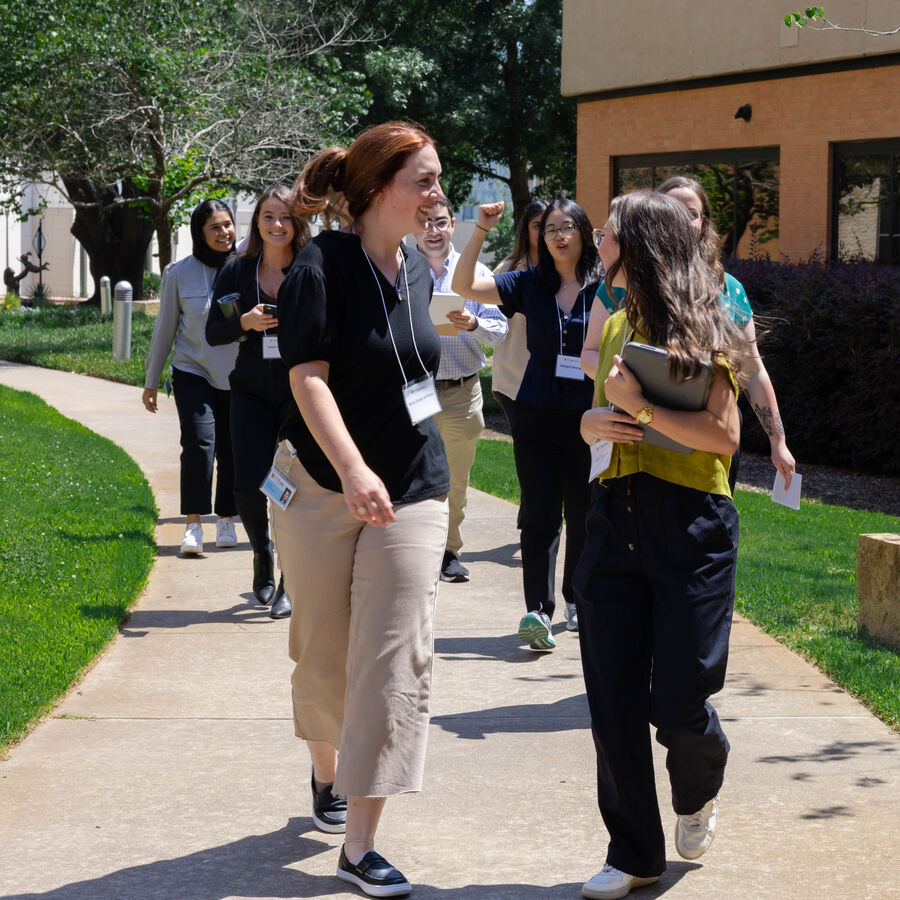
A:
<point x="701" y="470"/>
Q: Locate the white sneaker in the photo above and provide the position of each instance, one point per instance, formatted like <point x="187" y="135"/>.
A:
<point x="192" y="542"/>
<point x="225" y="534"/>
<point x="610" y="883"/>
<point x="571" y="617"/>
<point x="694" y="833"/>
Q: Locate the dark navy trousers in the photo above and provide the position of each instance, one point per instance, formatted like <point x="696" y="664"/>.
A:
<point x="553" y="463"/>
<point x="655" y="595"/>
<point x="203" y="413"/>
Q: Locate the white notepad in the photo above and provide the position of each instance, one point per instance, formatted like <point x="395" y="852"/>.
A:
<point x="441" y="304"/>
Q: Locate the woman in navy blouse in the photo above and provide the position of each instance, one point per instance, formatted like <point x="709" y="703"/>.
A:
<point x="553" y="463"/>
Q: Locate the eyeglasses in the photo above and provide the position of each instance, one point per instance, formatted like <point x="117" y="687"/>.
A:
<point x="551" y="232"/>
<point x="441" y="224"/>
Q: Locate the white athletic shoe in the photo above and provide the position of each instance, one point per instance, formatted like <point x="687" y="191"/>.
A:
<point x="192" y="542"/>
<point x="694" y="833"/>
<point x="610" y="883"/>
<point x="571" y="617"/>
<point x="225" y="533"/>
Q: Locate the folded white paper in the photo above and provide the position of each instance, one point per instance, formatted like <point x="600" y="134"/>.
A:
<point x="789" y="497"/>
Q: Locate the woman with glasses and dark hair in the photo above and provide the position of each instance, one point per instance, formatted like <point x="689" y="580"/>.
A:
<point x="260" y="391"/>
<point x="199" y="375"/>
<point x="552" y="461"/>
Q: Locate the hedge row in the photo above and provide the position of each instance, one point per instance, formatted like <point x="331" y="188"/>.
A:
<point x="831" y="343"/>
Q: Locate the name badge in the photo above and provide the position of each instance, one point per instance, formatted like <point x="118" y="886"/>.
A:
<point x="421" y="399"/>
<point x="601" y="455"/>
<point x="270" y="347"/>
<point x="278" y="488"/>
<point x="569" y="367"/>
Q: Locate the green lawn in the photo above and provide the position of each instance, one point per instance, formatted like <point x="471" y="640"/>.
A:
<point x="75" y="339"/>
<point x="796" y="580"/>
<point x="76" y="547"/>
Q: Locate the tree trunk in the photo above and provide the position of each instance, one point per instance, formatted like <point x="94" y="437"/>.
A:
<point x="518" y="186"/>
<point x="115" y="238"/>
<point x="163" y="229"/>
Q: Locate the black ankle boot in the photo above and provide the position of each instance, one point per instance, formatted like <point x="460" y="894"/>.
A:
<point x="264" y="576"/>
<point x="281" y="606"/>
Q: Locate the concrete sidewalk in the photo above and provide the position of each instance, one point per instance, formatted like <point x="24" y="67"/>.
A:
<point x="171" y="770"/>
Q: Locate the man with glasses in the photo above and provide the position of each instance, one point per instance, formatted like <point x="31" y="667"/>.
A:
<point x="459" y="389"/>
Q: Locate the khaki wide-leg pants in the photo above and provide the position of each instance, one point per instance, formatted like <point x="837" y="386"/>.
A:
<point x="361" y="630"/>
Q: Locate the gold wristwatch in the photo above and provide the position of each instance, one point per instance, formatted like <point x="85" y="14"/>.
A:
<point x="645" y="416"/>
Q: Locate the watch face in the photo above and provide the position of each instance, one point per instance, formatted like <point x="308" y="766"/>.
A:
<point x="644" y="417"/>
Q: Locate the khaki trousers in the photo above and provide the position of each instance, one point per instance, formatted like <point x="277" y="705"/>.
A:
<point x="460" y="422"/>
<point x="361" y="630"/>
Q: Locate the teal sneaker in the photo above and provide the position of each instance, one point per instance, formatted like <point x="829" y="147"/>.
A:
<point x="534" y="630"/>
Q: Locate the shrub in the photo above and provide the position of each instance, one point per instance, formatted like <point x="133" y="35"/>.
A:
<point x="831" y="343"/>
<point x="11" y="301"/>
<point x="40" y="296"/>
<point x="151" y="286"/>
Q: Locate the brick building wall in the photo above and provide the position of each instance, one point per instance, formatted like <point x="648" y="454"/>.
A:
<point x="802" y="115"/>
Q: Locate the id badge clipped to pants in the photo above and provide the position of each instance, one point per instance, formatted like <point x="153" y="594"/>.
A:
<point x="278" y="488"/>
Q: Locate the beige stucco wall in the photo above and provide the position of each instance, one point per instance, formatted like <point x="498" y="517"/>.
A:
<point x="615" y="44"/>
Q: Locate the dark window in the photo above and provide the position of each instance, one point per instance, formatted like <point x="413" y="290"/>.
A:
<point x="742" y="186"/>
<point x="866" y="208"/>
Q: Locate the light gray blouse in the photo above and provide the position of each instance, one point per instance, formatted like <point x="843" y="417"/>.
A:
<point x="184" y="298"/>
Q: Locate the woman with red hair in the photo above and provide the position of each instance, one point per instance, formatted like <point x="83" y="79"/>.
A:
<point x="362" y="535"/>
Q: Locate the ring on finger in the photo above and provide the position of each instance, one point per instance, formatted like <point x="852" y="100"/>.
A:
<point x="362" y="511"/>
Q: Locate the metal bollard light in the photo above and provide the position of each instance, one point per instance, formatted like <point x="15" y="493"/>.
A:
<point x="105" y="296"/>
<point x="122" y="322"/>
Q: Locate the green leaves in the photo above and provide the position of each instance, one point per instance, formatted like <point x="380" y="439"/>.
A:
<point x="800" y="19"/>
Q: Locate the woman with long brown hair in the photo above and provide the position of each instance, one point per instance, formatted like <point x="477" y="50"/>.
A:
<point x="260" y="391"/>
<point x="655" y="584"/>
<point x="362" y="534"/>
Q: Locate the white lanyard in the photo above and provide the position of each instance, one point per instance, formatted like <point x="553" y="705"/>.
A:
<point x="387" y="319"/>
<point x="568" y="365"/>
<point x="420" y="394"/>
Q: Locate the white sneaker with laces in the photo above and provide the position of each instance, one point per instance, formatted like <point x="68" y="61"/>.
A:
<point x="694" y="833"/>
<point x="610" y="883"/>
<point x="192" y="542"/>
<point x="225" y="533"/>
<point x="571" y="617"/>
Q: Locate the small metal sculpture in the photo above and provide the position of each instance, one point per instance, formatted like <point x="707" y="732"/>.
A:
<point x="11" y="280"/>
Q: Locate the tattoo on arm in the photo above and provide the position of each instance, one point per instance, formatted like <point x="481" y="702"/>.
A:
<point x="771" y="424"/>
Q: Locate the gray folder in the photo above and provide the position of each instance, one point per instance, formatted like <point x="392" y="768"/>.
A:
<point x="650" y="366"/>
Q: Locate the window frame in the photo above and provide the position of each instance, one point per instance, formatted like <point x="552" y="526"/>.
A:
<point x="845" y="149"/>
<point x="732" y="156"/>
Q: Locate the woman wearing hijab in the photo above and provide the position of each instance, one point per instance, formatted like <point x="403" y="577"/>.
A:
<point x="199" y="375"/>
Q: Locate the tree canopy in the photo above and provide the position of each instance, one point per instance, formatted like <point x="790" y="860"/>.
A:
<point x="132" y="109"/>
<point x="483" y="77"/>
